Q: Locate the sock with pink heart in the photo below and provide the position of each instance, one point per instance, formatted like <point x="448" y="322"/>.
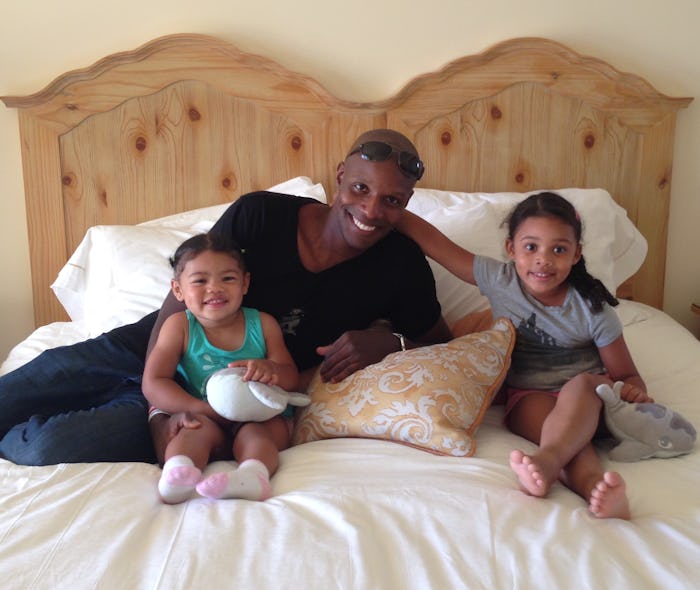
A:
<point x="178" y="480"/>
<point x="251" y="481"/>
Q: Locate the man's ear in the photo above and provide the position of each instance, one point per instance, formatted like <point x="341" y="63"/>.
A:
<point x="339" y="172"/>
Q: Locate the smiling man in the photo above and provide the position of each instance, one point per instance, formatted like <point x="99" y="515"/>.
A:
<point x="326" y="273"/>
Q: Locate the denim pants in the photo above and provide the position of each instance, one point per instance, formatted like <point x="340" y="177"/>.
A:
<point x="79" y="403"/>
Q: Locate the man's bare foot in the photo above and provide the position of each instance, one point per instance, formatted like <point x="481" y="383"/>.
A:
<point x="609" y="497"/>
<point x="532" y="474"/>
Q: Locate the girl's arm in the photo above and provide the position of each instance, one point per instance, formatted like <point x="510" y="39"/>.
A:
<point x="438" y="246"/>
<point x="158" y="384"/>
<point x="278" y="367"/>
<point x="618" y="363"/>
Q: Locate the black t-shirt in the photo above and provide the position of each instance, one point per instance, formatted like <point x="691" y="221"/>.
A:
<point x="391" y="280"/>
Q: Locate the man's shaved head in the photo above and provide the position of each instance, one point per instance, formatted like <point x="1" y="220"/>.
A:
<point x="395" y="139"/>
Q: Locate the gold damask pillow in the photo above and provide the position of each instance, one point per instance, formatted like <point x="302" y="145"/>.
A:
<point x="432" y="398"/>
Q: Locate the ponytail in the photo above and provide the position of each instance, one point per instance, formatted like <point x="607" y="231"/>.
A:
<point x="589" y="287"/>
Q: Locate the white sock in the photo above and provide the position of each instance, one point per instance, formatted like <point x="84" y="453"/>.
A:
<point x="251" y="481"/>
<point x="178" y="480"/>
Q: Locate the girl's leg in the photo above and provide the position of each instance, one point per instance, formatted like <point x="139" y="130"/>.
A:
<point x="263" y="441"/>
<point x="537" y="472"/>
<point x="256" y="447"/>
<point x="564" y="430"/>
<point x="185" y="456"/>
<point x="605" y="491"/>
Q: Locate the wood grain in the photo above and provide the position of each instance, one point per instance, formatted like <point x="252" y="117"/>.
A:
<point x="188" y="121"/>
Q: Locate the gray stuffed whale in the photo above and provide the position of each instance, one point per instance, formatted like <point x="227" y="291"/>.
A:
<point x="644" y="430"/>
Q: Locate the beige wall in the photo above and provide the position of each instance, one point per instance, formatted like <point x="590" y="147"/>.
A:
<point x="366" y="49"/>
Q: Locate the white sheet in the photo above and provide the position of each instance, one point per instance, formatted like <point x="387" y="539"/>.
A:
<point x="356" y="514"/>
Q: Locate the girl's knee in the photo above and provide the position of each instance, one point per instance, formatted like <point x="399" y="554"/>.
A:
<point x="582" y="380"/>
<point x="208" y="430"/>
<point x="584" y="384"/>
<point x="274" y="433"/>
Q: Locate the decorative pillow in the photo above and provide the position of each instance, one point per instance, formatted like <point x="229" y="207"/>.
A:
<point x="613" y="247"/>
<point x="119" y="273"/>
<point x="432" y="398"/>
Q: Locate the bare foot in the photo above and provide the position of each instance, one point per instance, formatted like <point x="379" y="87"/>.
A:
<point x="531" y="473"/>
<point x="609" y="497"/>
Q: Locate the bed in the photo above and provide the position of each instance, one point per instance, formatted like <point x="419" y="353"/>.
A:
<point x="124" y="158"/>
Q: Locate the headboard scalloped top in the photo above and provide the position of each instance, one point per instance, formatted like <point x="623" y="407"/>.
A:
<point x="188" y="121"/>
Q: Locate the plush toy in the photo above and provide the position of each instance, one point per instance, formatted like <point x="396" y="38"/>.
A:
<point x="644" y="430"/>
<point x="248" y="401"/>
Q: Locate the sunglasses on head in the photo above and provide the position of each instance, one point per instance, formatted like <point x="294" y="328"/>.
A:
<point x="378" y="151"/>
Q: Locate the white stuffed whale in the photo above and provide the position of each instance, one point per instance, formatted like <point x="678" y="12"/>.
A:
<point x="248" y="401"/>
<point x="644" y="430"/>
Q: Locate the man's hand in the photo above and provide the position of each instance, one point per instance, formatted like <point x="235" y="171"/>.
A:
<point x="355" y="350"/>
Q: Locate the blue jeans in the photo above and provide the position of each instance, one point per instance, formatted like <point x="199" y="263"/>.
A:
<point x="79" y="403"/>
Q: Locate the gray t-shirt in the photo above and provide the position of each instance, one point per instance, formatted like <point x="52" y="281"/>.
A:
<point x="554" y="343"/>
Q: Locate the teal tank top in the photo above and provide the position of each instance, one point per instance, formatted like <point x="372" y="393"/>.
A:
<point x="201" y="359"/>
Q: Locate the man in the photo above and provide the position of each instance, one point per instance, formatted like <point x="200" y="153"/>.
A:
<point x="325" y="273"/>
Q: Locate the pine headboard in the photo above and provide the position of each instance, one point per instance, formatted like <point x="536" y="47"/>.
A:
<point x="187" y="121"/>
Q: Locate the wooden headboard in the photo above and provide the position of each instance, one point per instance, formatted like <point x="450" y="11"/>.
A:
<point x="187" y="121"/>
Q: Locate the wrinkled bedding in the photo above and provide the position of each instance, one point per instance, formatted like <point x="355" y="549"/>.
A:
<point x="365" y="514"/>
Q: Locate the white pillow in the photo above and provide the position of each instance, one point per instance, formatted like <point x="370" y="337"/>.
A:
<point x="119" y="273"/>
<point x="612" y="246"/>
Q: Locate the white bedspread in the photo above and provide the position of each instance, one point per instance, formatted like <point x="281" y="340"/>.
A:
<point x="363" y="514"/>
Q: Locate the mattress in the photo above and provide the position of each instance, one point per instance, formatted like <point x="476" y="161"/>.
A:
<point x="355" y="513"/>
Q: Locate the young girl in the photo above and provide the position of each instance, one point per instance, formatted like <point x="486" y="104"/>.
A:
<point x="212" y="333"/>
<point x="569" y="340"/>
